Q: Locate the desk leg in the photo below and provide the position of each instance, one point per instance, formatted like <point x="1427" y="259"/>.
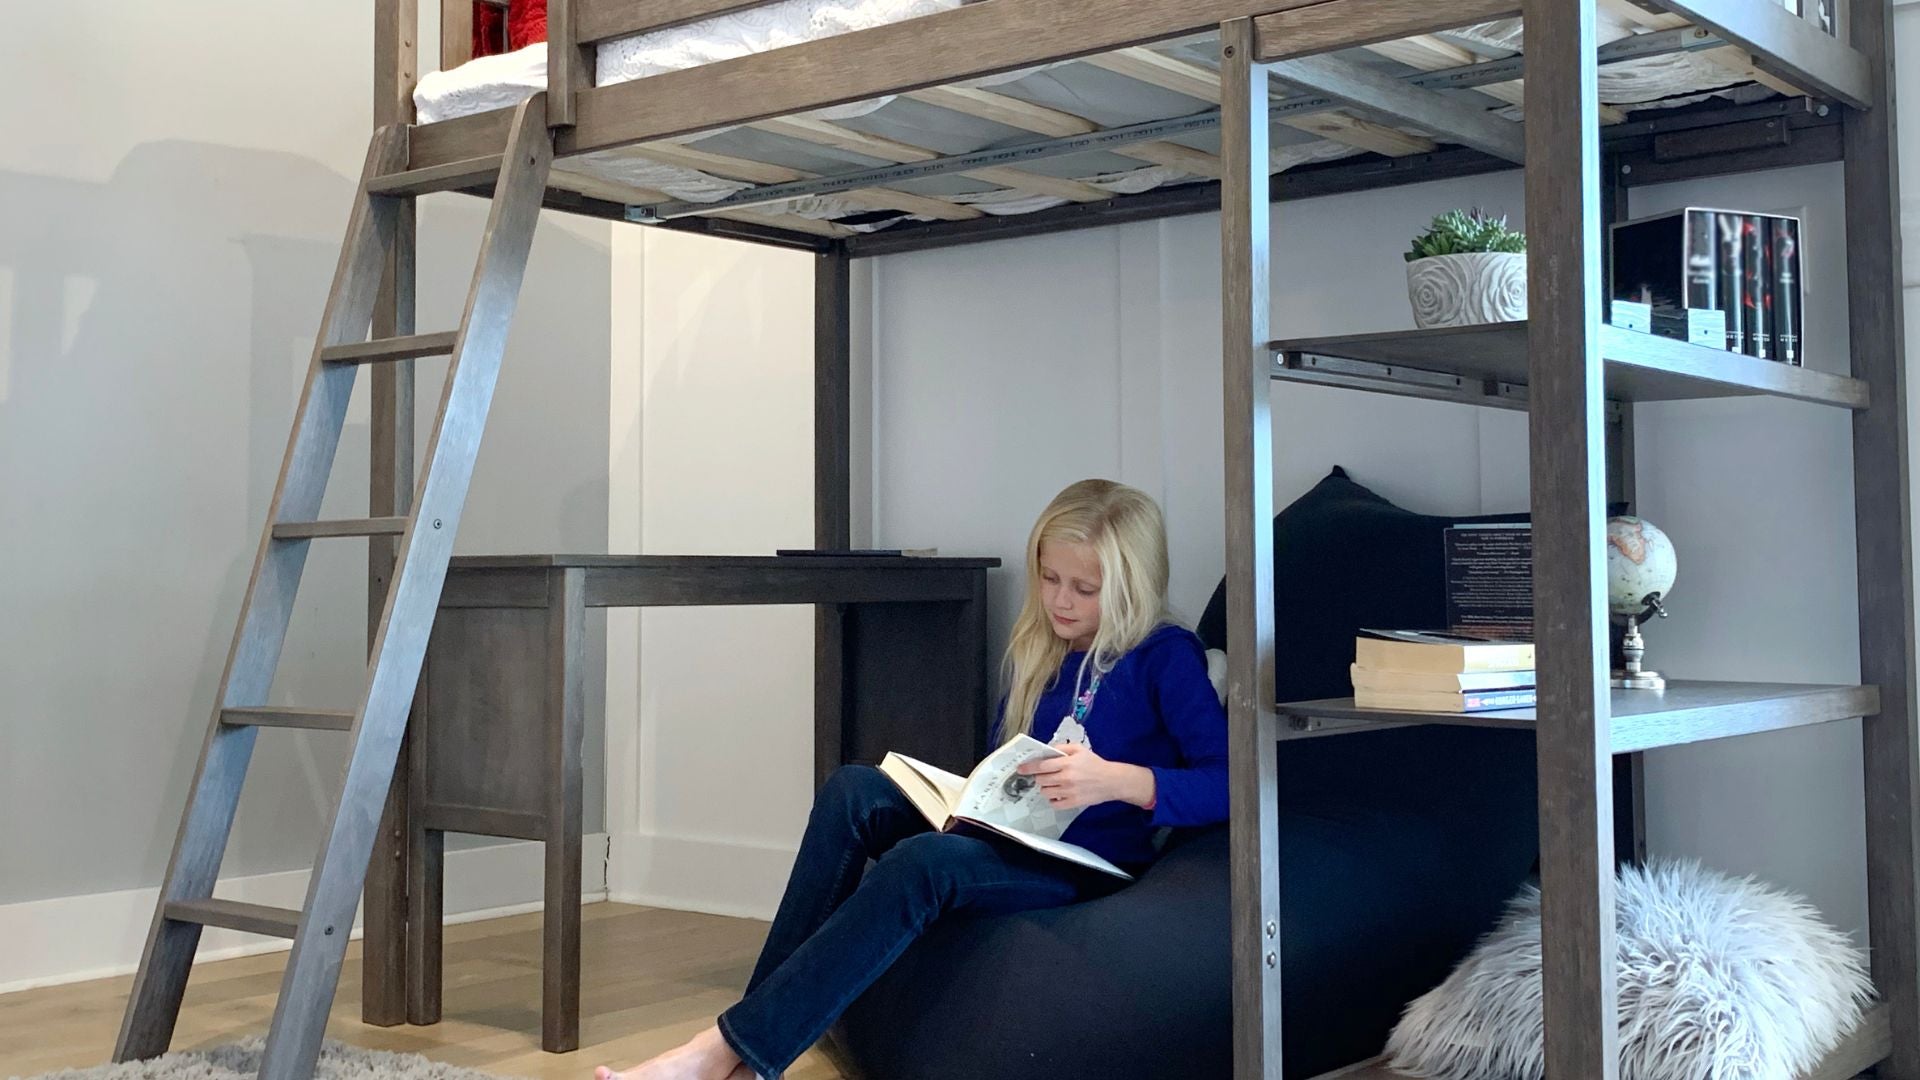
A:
<point x="383" y="947"/>
<point x="425" y="862"/>
<point x="426" y="865"/>
<point x="829" y="690"/>
<point x="566" y="724"/>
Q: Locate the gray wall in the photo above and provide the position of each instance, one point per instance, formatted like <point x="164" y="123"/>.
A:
<point x="173" y="187"/>
<point x="1004" y="371"/>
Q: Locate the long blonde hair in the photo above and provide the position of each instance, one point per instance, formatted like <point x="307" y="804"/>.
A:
<point x="1128" y="534"/>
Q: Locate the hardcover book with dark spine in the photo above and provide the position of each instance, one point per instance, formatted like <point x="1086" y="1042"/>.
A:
<point x="1731" y="250"/>
<point x="1757" y="289"/>
<point x="1703" y="269"/>
<point x="1783" y="235"/>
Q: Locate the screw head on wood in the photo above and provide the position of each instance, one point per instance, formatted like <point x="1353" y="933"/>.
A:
<point x="1228" y="51"/>
<point x="436" y="523"/>
<point x="1273" y="928"/>
<point x="1273" y="959"/>
<point x="329" y="932"/>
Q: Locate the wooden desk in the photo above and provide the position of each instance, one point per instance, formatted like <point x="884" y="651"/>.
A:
<point x="494" y="741"/>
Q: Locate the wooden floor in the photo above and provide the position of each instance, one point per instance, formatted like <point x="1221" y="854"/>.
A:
<point x="651" y="978"/>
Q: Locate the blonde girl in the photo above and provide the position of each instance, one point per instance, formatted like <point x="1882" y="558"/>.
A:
<point x="1095" y="667"/>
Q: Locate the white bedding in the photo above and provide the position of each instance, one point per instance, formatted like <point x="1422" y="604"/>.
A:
<point x="495" y="82"/>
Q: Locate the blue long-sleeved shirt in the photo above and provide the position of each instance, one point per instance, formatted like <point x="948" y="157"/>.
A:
<point x="1157" y="709"/>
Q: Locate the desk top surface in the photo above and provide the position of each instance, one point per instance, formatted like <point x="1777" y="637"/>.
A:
<point x="796" y="563"/>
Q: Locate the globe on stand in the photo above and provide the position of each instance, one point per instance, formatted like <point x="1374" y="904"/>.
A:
<point x="1640" y="572"/>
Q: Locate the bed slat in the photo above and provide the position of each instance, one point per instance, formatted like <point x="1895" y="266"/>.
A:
<point x="761" y="172"/>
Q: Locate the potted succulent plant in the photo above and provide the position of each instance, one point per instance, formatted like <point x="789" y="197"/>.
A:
<point x="1467" y="268"/>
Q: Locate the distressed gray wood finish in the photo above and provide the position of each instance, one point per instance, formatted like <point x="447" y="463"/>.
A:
<point x="282" y="717"/>
<point x="602" y="19"/>
<point x="1883" y="523"/>
<point x="445" y="176"/>
<point x="832" y="493"/>
<point x="570" y="61"/>
<point x="1639" y="367"/>
<point x="832" y="400"/>
<point x="1786" y="45"/>
<point x="1253" y="725"/>
<point x="396" y="63"/>
<point x="1382" y="95"/>
<point x="1688" y="711"/>
<point x="456" y="33"/>
<point x="566" y="719"/>
<point x="385" y="348"/>
<point x="1568" y="480"/>
<point x="1345" y="24"/>
<point x="214" y="794"/>
<point x="313" y="967"/>
<point x="350" y="527"/>
<point x="236" y="915"/>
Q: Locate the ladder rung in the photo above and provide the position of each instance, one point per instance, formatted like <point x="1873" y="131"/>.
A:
<point x="235" y="915"/>
<point x="452" y="176"/>
<point x="388" y="349"/>
<point x="308" y="530"/>
<point x="277" y="716"/>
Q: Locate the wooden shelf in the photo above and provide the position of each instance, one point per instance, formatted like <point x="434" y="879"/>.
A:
<point x="1487" y="364"/>
<point x="1868" y="1045"/>
<point x="1686" y="711"/>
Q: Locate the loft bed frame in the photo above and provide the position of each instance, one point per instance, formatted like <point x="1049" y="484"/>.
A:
<point x="1576" y="377"/>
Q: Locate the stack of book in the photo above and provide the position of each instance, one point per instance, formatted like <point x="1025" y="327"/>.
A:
<point x="1421" y="671"/>
<point x="1721" y="278"/>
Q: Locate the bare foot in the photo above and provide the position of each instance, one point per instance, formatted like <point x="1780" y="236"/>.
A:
<point x="706" y="1056"/>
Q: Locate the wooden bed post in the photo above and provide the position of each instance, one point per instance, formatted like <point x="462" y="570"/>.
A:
<point x="1882" y="522"/>
<point x="1566" y="431"/>
<point x="1253" y="724"/>
<point x="832" y="491"/>
<point x="396" y="57"/>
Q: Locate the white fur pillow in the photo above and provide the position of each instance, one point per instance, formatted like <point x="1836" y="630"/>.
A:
<point x="1720" y="979"/>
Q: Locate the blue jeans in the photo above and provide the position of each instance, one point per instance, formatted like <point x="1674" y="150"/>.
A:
<point x="836" y="931"/>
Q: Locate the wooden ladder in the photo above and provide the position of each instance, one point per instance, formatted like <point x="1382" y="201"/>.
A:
<point x="376" y="725"/>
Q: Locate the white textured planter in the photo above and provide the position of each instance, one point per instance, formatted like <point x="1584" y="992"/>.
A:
<point x="1461" y="290"/>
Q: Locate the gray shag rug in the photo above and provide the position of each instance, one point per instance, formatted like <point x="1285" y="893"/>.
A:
<point x="241" y="1061"/>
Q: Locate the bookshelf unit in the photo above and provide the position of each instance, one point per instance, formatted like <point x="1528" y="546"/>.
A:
<point x="1577" y="378"/>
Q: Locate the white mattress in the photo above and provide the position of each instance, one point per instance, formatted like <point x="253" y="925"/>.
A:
<point x="495" y="82"/>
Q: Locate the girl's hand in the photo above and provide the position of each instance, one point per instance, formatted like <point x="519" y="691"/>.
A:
<point x="1083" y="778"/>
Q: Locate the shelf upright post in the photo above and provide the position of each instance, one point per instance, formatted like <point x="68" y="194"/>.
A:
<point x="1883" y="522"/>
<point x="1253" y="723"/>
<point x="1566" y="429"/>
<point x="396" y="65"/>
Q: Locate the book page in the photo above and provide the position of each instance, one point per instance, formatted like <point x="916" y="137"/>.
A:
<point x="947" y="784"/>
<point x="934" y="805"/>
<point x="1057" y="848"/>
<point x="997" y="794"/>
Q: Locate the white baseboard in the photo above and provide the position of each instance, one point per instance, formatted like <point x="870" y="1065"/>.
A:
<point x="74" y="938"/>
<point x="711" y="875"/>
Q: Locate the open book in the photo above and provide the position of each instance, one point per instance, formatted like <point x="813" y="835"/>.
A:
<point x="995" y="796"/>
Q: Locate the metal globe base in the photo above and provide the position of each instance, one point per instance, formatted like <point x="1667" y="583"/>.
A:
<point x="1633" y="677"/>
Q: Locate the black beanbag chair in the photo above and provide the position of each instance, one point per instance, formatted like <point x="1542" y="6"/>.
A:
<point x="1398" y="848"/>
